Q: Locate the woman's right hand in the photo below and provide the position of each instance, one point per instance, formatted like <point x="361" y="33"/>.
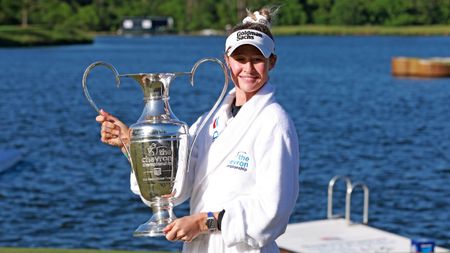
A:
<point x="113" y="130"/>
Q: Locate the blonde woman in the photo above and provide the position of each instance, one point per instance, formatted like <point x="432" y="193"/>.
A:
<point x="243" y="179"/>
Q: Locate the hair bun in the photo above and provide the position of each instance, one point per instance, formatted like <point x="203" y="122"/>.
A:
<point x="263" y="16"/>
<point x="257" y="18"/>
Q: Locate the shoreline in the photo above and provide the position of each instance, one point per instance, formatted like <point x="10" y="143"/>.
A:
<point x="434" y="30"/>
<point x="16" y="36"/>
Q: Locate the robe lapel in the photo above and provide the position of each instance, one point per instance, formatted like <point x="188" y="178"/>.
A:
<point x="233" y="132"/>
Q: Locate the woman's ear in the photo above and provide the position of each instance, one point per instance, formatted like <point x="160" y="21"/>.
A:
<point x="272" y="61"/>
<point x="225" y="57"/>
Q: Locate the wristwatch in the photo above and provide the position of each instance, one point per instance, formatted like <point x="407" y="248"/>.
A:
<point x="211" y="222"/>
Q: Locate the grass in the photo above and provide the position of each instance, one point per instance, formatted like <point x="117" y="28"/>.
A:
<point x="47" y="250"/>
<point x="362" y="30"/>
<point x="16" y="36"/>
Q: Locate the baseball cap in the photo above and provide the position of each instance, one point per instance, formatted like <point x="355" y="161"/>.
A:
<point x="260" y="40"/>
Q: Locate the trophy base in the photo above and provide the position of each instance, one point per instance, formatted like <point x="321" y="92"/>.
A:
<point x="162" y="216"/>
<point x="149" y="230"/>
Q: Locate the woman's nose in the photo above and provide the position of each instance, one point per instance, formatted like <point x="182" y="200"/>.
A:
<point x="248" y="66"/>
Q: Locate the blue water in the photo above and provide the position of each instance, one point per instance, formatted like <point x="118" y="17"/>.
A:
<point x="352" y="116"/>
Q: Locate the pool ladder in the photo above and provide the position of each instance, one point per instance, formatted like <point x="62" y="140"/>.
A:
<point x="348" y="198"/>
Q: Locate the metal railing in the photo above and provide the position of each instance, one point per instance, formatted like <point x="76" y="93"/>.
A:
<point x="350" y="188"/>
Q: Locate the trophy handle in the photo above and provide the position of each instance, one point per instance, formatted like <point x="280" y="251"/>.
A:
<point x="216" y="105"/>
<point x="91" y="101"/>
<point x="86" y="74"/>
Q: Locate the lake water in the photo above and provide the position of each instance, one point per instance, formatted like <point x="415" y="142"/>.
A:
<point x="352" y="116"/>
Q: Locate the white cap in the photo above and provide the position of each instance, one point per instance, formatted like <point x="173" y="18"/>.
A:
<point x="260" y="40"/>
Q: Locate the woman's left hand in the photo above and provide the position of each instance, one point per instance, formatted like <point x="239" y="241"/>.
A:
<point x="186" y="228"/>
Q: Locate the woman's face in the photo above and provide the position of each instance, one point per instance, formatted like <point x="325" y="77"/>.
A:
<point x="249" y="70"/>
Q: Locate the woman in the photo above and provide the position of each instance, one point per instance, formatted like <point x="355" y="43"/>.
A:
<point x="243" y="179"/>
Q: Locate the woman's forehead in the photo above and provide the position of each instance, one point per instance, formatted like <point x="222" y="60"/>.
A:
<point x="247" y="50"/>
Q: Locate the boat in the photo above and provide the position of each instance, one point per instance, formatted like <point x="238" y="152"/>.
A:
<point x="342" y="235"/>
<point x="9" y="158"/>
<point x="421" y="67"/>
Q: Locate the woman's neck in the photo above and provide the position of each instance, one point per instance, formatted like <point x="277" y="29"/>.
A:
<point x="243" y="97"/>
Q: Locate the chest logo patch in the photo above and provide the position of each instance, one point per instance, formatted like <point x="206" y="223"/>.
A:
<point x="214" y="128"/>
<point x="240" y="161"/>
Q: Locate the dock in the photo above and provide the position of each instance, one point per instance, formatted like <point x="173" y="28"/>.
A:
<point x="421" y="67"/>
<point x="337" y="236"/>
<point x="341" y="235"/>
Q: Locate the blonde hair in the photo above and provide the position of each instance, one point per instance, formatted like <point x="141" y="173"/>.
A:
<point x="258" y="20"/>
<point x="267" y="12"/>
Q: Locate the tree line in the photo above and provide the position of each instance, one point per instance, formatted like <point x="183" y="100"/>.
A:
<point x="191" y="15"/>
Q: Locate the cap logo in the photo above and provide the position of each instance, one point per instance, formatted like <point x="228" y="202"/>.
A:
<point x="247" y="35"/>
<point x="253" y="37"/>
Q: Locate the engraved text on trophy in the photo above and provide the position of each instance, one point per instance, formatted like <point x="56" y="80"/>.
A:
<point x="155" y="164"/>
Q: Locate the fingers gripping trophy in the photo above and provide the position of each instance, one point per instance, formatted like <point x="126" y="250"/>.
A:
<point x="159" y="149"/>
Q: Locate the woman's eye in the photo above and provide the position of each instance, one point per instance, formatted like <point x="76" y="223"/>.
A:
<point x="258" y="59"/>
<point x="240" y="59"/>
<point x="243" y="59"/>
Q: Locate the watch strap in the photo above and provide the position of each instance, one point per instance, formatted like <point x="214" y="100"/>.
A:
<point x="219" y="220"/>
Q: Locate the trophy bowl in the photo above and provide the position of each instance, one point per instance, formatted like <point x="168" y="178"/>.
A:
<point x="157" y="153"/>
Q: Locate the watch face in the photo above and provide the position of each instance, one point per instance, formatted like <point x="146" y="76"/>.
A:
<point x="211" y="223"/>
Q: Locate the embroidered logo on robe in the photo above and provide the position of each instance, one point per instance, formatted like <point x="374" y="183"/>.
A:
<point x="215" y="130"/>
<point x="240" y="161"/>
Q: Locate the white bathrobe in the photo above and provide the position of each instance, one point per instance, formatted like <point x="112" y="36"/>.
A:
<point x="248" y="166"/>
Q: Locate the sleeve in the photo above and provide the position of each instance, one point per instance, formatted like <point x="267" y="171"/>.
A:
<point x="260" y="218"/>
<point x="183" y="188"/>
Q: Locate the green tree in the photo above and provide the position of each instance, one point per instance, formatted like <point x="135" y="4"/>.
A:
<point x="432" y="11"/>
<point x="108" y="13"/>
<point x="320" y="10"/>
<point x="349" y="12"/>
<point x="378" y="12"/>
<point x="396" y="13"/>
<point x="176" y="10"/>
<point x="188" y="15"/>
<point x="203" y="15"/>
<point x="444" y="12"/>
<point x="291" y="13"/>
<point x="227" y="13"/>
<point x="51" y="13"/>
<point x="84" y="19"/>
<point x="10" y="12"/>
<point x="25" y="8"/>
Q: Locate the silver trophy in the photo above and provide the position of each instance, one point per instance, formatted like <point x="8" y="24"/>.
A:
<point x="159" y="149"/>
